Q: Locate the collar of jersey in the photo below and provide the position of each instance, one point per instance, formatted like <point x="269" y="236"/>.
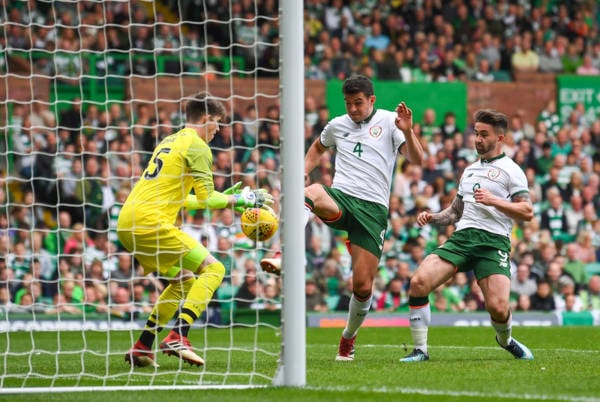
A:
<point x="368" y="119"/>
<point x="502" y="155"/>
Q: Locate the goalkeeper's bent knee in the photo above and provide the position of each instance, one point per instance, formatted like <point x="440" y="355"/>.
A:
<point x="202" y="291"/>
<point x="213" y="273"/>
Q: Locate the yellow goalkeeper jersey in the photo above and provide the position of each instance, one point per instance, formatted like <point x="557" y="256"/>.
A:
<point x="181" y="161"/>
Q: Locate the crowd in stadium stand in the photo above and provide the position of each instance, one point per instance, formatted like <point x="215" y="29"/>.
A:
<point x="85" y="159"/>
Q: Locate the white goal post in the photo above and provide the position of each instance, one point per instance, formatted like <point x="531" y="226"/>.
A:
<point x="73" y="91"/>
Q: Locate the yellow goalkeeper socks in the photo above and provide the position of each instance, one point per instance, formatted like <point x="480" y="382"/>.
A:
<point x="165" y="309"/>
<point x="199" y="296"/>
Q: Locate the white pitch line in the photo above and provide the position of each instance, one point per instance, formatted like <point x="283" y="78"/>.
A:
<point x="474" y="394"/>
<point x="562" y="350"/>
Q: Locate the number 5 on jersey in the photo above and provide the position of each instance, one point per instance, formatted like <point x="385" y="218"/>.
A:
<point x="158" y="164"/>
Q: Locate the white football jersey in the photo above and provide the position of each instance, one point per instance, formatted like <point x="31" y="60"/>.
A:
<point x="504" y="179"/>
<point x="365" y="154"/>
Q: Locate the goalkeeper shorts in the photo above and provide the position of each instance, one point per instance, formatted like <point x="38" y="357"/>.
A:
<point x="164" y="250"/>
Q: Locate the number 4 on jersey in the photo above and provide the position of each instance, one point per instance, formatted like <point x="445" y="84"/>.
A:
<point x="358" y="149"/>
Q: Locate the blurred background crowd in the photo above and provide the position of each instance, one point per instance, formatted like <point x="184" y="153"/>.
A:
<point x="72" y="169"/>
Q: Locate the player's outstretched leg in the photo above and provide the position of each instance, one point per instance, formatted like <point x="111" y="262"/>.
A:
<point x="179" y="346"/>
<point x="420" y="317"/>
<point x="272" y="265"/>
<point x="417" y="355"/>
<point x="517" y="349"/>
<point x="140" y="356"/>
<point x="346" y="349"/>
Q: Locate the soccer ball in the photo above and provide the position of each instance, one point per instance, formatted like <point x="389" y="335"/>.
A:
<point x="259" y="224"/>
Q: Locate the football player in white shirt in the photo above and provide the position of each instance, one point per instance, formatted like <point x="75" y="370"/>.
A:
<point x="367" y="141"/>
<point x="491" y="193"/>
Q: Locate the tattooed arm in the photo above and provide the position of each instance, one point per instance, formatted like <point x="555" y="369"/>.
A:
<point x="518" y="208"/>
<point x="446" y="217"/>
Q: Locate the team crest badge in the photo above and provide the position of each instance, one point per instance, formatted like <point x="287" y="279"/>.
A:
<point x="493" y="173"/>
<point x="375" y="131"/>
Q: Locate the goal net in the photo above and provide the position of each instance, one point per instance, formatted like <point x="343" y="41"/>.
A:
<point x="88" y="90"/>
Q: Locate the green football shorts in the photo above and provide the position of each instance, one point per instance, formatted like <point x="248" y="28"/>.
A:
<point x="484" y="252"/>
<point x="365" y="221"/>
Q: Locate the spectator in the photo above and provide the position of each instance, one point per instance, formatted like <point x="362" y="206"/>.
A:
<point x="143" y="299"/>
<point x="523" y="303"/>
<point x="566" y="299"/>
<point x="525" y="59"/>
<point x="57" y="237"/>
<point x="522" y="283"/>
<point x="554" y="273"/>
<point x="78" y="240"/>
<point x="554" y="218"/>
<point x="575" y="209"/>
<point x="463" y="23"/>
<point x="123" y="273"/>
<point x="587" y="67"/>
<point x="89" y="194"/>
<point x="72" y="119"/>
<point x="449" y="127"/>
<point x="121" y="304"/>
<point x="377" y="39"/>
<point x="271" y="297"/>
<point x="100" y="250"/>
<point x="439" y="303"/>
<point x="394" y="297"/>
<point x="94" y="300"/>
<point x="484" y="74"/>
<point x="343" y="303"/>
<point x="454" y="297"/>
<point x="587" y="222"/>
<point x="333" y="15"/>
<point x="315" y="300"/>
<point x="471" y="65"/>
<point x="429" y="127"/>
<point x="474" y="300"/>
<point x="330" y="278"/>
<point x="571" y="59"/>
<point x="29" y="291"/>
<point x="23" y="146"/>
<point x="69" y="299"/>
<point x="590" y="297"/>
<point x="543" y="299"/>
<point x="545" y="253"/>
<point x="67" y="67"/>
<point x="584" y="249"/>
<point x="197" y="227"/>
<point x="47" y="265"/>
<point x="550" y="60"/>
<point x="250" y="290"/>
<point x="574" y="266"/>
<point x="19" y="261"/>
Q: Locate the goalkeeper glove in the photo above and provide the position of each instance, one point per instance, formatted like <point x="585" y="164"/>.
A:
<point x="249" y="198"/>
<point x="233" y="189"/>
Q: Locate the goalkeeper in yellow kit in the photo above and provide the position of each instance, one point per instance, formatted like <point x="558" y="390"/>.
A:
<point x="146" y="227"/>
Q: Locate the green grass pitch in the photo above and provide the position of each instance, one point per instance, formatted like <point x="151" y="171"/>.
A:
<point x="466" y="365"/>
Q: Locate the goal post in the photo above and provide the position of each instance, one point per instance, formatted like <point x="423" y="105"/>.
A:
<point x="292" y="119"/>
<point x="96" y="98"/>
